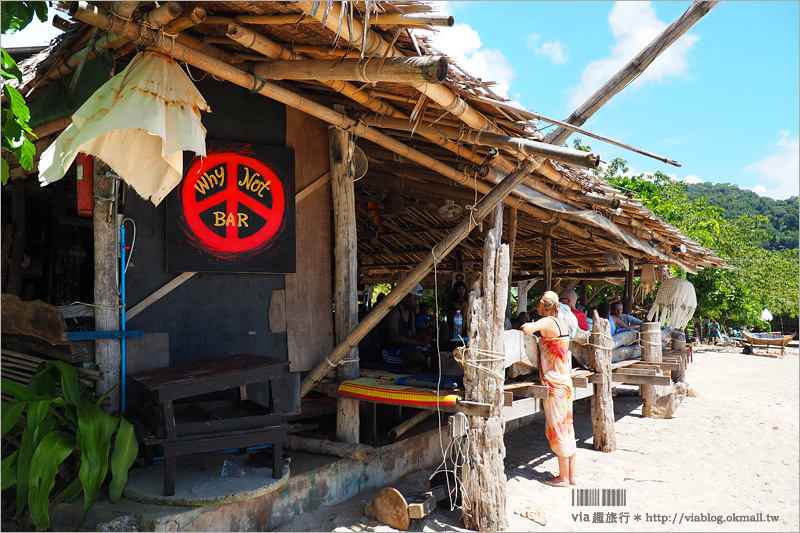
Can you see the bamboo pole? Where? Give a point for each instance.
(189, 18)
(632, 69)
(547, 257)
(402, 19)
(512, 241)
(522, 146)
(428, 69)
(321, 50)
(531, 115)
(604, 436)
(162, 15)
(627, 302)
(410, 423)
(345, 274)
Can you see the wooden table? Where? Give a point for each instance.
(204, 426)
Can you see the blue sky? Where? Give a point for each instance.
(722, 101)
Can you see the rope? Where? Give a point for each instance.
(490, 356)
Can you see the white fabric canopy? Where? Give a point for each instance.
(139, 123)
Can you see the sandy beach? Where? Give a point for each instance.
(729, 452)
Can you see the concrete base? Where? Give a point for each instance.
(315, 481)
(263, 510)
(200, 481)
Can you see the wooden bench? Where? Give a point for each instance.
(204, 426)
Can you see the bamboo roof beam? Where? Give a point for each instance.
(427, 69)
(165, 14)
(374, 44)
(633, 68)
(523, 146)
(321, 50)
(255, 41)
(400, 19)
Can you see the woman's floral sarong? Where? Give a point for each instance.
(554, 367)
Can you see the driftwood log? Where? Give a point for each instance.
(361, 452)
(484, 479)
(659, 401)
(679, 345)
(604, 436)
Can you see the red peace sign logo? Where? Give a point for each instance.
(233, 203)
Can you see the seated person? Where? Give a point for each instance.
(616, 318)
(402, 349)
(623, 319)
(523, 317)
(569, 297)
(604, 311)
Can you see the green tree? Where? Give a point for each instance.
(15, 16)
(756, 278)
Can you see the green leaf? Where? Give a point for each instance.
(9, 470)
(126, 448)
(25, 153)
(51, 452)
(19, 392)
(69, 382)
(69, 493)
(109, 391)
(11, 414)
(34, 430)
(16, 15)
(10, 68)
(16, 102)
(94, 453)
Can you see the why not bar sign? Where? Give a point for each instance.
(234, 211)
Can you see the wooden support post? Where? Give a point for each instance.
(522, 295)
(18, 224)
(627, 302)
(547, 261)
(484, 502)
(679, 345)
(651, 353)
(604, 436)
(345, 277)
(106, 298)
(512, 241)
(583, 292)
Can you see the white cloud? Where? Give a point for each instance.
(552, 49)
(634, 25)
(692, 178)
(778, 172)
(463, 45)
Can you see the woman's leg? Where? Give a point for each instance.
(562, 478)
(572, 478)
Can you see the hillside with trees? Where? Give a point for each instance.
(760, 278)
(782, 215)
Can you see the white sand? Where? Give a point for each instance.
(733, 449)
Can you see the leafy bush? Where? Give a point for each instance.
(51, 428)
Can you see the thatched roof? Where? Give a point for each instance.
(415, 193)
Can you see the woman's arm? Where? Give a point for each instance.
(546, 325)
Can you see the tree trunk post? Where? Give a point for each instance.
(547, 260)
(484, 479)
(522, 296)
(18, 223)
(604, 436)
(512, 242)
(627, 304)
(679, 345)
(106, 297)
(584, 292)
(345, 278)
(651, 353)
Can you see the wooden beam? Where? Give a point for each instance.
(547, 257)
(158, 294)
(345, 273)
(627, 302)
(319, 182)
(638, 379)
(512, 241)
(106, 300)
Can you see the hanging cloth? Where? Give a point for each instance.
(139, 123)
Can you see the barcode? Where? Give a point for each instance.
(599, 497)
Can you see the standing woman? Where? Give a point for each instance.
(555, 368)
